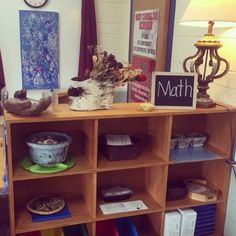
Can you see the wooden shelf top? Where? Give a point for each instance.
(153, 206)
(78, 210)
(187, 202)
(118, 110)
(196, 155)
(144, 160)
(82, 166)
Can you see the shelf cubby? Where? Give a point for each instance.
(83, 135)
(75, 190)
(154, 133)
(149, 188)
(215, 126)
(206, 170)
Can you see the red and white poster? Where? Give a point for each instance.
(141, 91)
(144, 53)
(145, 33)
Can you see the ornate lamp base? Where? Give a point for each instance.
(205, 103)
(207, 64)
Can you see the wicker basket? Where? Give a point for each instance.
(125, 152)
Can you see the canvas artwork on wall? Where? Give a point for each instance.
(39, 39)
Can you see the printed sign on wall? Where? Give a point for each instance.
(145, 33)
(39, 49)
(174, 90)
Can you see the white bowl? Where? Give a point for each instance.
(48, 148)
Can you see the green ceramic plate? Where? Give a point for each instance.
(27, 164)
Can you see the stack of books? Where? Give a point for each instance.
(205, 224)
(180, 222)
(195, 221)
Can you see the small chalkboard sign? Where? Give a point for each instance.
(174, 90)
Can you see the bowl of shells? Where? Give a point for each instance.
(48, 148)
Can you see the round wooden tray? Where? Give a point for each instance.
(201, 190)
(45, 204)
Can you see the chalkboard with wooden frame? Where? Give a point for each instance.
(174, 90)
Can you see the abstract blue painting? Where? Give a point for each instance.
(39, 39)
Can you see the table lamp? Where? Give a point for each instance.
(206, 62)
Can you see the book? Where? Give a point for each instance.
(172, 223)
(188, 222)
(64, 213)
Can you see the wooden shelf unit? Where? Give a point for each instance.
(147, 175)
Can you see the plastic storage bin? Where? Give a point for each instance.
(105, 228)
(125, 227)
(75, 230)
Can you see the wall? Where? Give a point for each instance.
(113, 22)
(113, 17)
(223, 90)
(69, 33)
(113, 36)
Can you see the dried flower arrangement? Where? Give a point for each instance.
(107, 68)
(95, 91)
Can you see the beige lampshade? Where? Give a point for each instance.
(200, 12)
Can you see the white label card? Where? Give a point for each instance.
(118, 139)
(113, 208)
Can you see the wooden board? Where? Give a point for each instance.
(1, 154)
(119, 110)
(1, 165)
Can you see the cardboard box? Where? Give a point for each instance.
(188, 222)
(172, 223)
